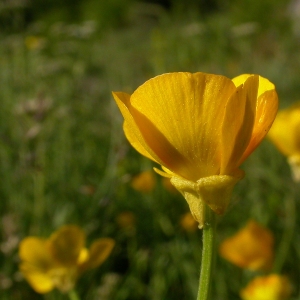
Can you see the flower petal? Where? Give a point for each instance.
(185, 109)
(66, 244)
(238, 124)
(266, 110)
(36, 261)
(34, 251)
(131, 130)
(41, 282)
(99, 251)
(264, 84)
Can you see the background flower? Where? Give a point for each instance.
(285, 134)
(144, 181)
(250, 248)
(271, 287)
(58, 261)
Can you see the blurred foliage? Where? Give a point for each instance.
(64, 158)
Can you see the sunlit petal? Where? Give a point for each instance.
(238, 124)
(264, 84)
(266, 110)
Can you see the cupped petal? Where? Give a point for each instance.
(66, 244)
(266, 110)
(238, 124)
(285, 131)
(187, 110)
(98, 253)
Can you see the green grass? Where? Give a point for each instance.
(70, 163)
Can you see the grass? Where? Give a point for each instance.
(64, 159)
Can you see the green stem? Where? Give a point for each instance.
(209, 233)
(73, 295)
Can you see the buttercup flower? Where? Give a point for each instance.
(285, 134)
(272, 287)
(57, 262)
(200, 128)
(250, 248)
(144, 182)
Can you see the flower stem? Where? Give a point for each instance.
(73, 295)
(209, 232)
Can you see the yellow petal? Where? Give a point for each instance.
(99, 251)
(285, 132)
(264, 84)
(131, 130)
(180, 119)
(238, 124)
(34, 251)
(66, 244)
(265, 112)
(40, 281)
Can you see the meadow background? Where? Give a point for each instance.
(64, 158)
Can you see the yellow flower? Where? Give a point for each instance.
(57, 262)
(250, 248)
(200, 128)
(144, 182)
(272, 287)
(285, 134)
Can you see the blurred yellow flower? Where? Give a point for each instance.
(272, 287)
(200, 128)
(188, 223)
(250, 248)
(144, 182)
(34, 42)
(285, 134)
(57, 262)
(126, 219)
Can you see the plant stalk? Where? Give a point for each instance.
(209, 233)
